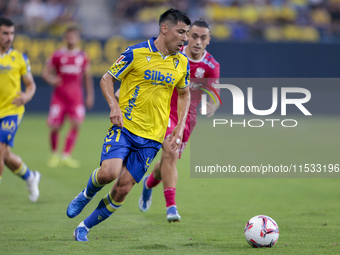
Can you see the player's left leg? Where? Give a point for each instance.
(55, 121)
(77, 115)
(19, 168)
(152, 180)
(149, 182)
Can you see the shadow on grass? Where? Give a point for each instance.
(152, 247)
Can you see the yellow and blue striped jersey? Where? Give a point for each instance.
(13, 65)
(148, 79)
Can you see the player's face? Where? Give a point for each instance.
(6, 37)
(72, 38)
(198, 39)
(176, 36)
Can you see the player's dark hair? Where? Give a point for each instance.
(72, 28)
(201, 23)
(174, 16)
(6, 22)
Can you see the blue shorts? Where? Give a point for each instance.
(8, 127)
(137, 152)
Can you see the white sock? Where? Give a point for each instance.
(84, 193)
(81, 224)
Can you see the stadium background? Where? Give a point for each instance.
(255, 38)
(250, 38)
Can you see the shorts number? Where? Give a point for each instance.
(111, 133)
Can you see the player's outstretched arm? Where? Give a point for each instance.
(25, 96)
(183, 104)
(106, 85)
(89, 89)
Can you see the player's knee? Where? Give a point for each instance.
(106, 175)
(171, 156)
(13, 161)
(123, 189)
(55, 128)
(4, 151)
(75, 125)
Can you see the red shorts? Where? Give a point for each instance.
(58, 111)
(173, 120)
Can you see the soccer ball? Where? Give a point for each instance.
(261, 231)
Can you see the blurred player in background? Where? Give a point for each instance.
(149, 72)
(65, 71)
(14, 65)
(205, 71)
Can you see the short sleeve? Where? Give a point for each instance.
(214, 75)
(26, 66)
(53, 61)
(123, 65)
(184, 82)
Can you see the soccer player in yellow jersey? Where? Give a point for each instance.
(14, 66)
(149, 72)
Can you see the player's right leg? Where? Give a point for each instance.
(113, 153)
(55, 120)
(108, 205)
(76, 113)
(8, 127)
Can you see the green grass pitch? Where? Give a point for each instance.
(214, 211)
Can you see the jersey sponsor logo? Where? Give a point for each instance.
(70, 69)
(79, 60)
(8, 126)
(63, 60)
(199, 72)
(131, 103)
(157, 78)
(5, 69)
(207, 62)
